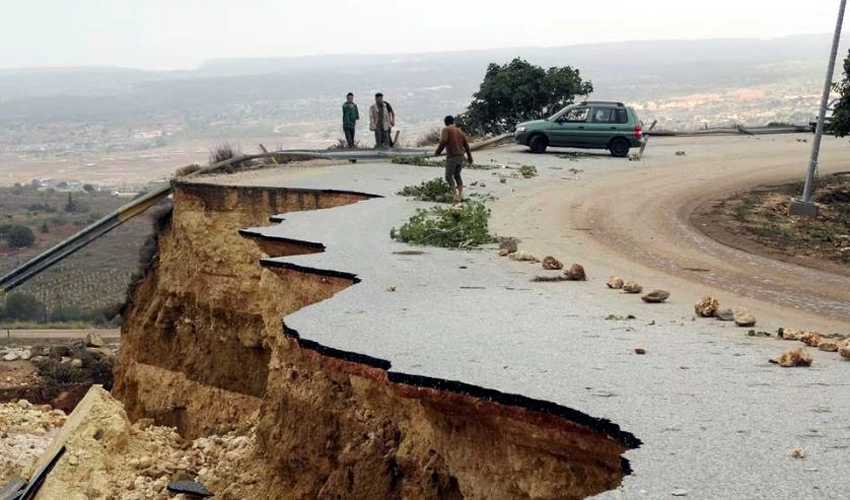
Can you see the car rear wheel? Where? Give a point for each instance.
(538, 143)
(619, 147)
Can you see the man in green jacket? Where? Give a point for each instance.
(350, 115)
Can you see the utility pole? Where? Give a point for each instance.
(804, 205)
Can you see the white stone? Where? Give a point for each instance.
(94, 340)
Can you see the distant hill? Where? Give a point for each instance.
(291, 97)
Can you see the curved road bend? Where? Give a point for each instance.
(632, 219)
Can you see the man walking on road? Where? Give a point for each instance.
(350, 115)
(453, 140)
(381, 121)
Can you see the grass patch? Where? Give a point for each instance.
(436, 190)
(764, 215)
(528, 171)
(431, 138)
(573, 156)
(96, 369)
(461, 226)
(426, 161)
(343, 144)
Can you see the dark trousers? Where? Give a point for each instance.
(454, 164)
(349, 136)
(382, 139)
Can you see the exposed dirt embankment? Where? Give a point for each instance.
(204, 349)
(195, 349)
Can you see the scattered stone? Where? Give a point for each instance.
(789, 334)
(640, 350)
(503, 180)
(656, 296)
(504, 252)
(73, 460)
(189, 488)
(25, 354)
(794, 357)
(523, 256)
(634, 156)
(743, 317)
(549, 279)
(632, 287)
(473, 183)
(77, 363)
(101, 351)
(829, 346)
(11, 356)
(758, 333)
(615, 282)
(798, 453)
(707, 307)
(77, 345)
(844, 350)
(810, 338)
(575, 273)
(680, 153)
(482, 184)
(391, 288)
(509, 244)
(552, 263)
(725, 315)
(679, 493)
(93, 339)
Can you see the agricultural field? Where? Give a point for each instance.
(94, 278)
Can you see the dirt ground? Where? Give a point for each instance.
(635, 219)
(758, 222)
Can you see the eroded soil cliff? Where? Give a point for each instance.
(204, 349)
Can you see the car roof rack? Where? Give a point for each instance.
(609, 103)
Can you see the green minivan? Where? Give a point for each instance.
(589, 124)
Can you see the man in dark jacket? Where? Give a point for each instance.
(350, 115)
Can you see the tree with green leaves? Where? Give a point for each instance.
(23, 307)
(20, 237)
(71, 204)
(840, 125)
(74, 206)
(518, 92)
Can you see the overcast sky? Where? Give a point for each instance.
(172, 34)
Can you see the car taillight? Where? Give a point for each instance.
(638, 131)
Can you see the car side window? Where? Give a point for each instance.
(609, 115)
(576, 115)
(602, 115)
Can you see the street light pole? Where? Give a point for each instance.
(805, 206)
